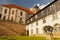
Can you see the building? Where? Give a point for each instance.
(49, 15)
(36, 8)
(15, 13)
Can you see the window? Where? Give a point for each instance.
(31, 31)
(13, 12)
(44, 21)
(21, 13)
(53, 7)
(20, 19)
(55, 16)
(57, 27)
(37, 31)
(5, 11)
(42, 13)
(37, 23)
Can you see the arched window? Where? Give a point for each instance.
(57, 27)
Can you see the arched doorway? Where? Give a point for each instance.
(27, 33)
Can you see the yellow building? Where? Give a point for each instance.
(49, 15)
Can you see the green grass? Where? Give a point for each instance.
(57, 38)
(22, 38)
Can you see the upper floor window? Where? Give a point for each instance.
(42, 13)
(44, 20)
(5, 11)
(13, 12)
(21, 13)
(53, 7)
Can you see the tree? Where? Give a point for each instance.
(48, 30)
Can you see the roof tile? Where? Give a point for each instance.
(19, 7)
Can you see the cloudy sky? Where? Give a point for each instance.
(25, 3)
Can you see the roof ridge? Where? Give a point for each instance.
(19, 7)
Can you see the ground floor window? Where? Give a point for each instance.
(37, 30)
(57, 27)
(31, 31)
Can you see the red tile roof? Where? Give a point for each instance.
(19, 7)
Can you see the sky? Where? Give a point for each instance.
(25, 3)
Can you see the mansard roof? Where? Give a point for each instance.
(19, 7)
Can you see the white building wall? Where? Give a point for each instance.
(5, 14)
(19, 16)
(49, 21)
(58, 13)
(12, 15)
(34, 28)
(40, 25)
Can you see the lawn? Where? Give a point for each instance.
(22, 38)
(57, 38)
